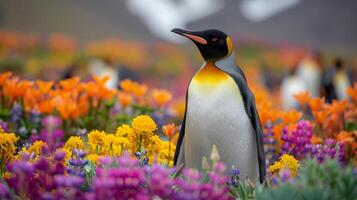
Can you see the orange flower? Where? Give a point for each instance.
(268, 115)
(344, 136)
(320, 116)
(179, 107)
(125, 99)
(4, 77)
(316, 103)
(15, 88)
(126, 85)
(100, 81)
(69, 84)
(277, 129)
(316, 140)
(352, 92)
(139, 90)
(263, 116)
(66, 107)
(302, 97)
(99, 89)
(338, 106)
(43, 86)
(45, 107)
(169, 130)
(161, 97)
(291, 116)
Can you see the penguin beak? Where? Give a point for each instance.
(194, 36)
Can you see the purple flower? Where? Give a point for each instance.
(4, 126)
(60, 155)
(35, 117)
(22, 131)
(269, 142)
(233, 177)
(53, 137)
(81, 132)
(297, 140)
(4, 191)
(285, 174)
(42, 164)
(79, 153)
(16, 113)
(21, 167)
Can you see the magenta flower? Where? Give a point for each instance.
(51, 122)
(4, 192)
(295, 143)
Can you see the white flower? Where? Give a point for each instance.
(214, 154)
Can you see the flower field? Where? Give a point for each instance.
(77, 139)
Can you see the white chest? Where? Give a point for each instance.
(216, 115)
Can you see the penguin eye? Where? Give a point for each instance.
(214, 39)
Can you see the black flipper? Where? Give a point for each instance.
(182, 133)
(238, 76)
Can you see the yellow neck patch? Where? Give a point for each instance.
(229, 45)
(210, 74)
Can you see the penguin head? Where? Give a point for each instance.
(213, 44)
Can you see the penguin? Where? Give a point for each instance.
(291, 85)
(335, 82)
(220, 110)
(310, 71)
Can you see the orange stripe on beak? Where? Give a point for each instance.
(196, 38)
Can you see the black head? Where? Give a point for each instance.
(213, 44)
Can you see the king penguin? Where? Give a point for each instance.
(220, 110)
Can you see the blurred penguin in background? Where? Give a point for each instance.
(310, 71)
(291, 84)
(335, 81)
(114, 70)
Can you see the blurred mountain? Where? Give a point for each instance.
(320, 24)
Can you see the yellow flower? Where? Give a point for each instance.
(153, 146)
(166, 153)
(7, 149)
(124, 131)
(93, 157)
(36, 148)
(286, 161)
(7, 175)
(275, 167)
(143, 123)
(114, 146)
(74, 142)
(144, 128)
(96, 140)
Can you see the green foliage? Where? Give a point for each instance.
(245, 190)
(89, 171)
(283, 192)
(350, 126)
(316, 181)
